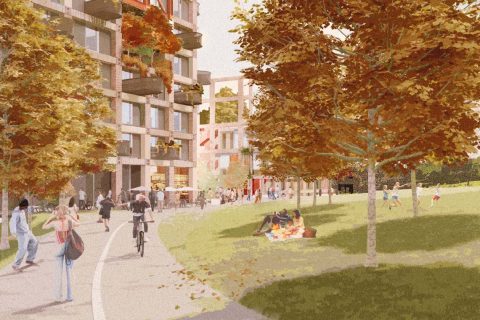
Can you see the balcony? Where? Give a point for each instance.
(104, 9)
(171, 154)
(188, 99)
(142, 86)
(191, 40)
(204, 77)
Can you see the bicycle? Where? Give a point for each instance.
(140, 245)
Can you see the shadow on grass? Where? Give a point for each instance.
(390, 292)
(424, 233)
(313, 216)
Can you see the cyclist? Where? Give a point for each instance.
(138, 207)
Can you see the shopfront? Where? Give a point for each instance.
(159, 179)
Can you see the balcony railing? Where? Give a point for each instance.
(104, 9)
(204, 77)
(142, 86)
(187, 98)
(191, 40)
(171, 154)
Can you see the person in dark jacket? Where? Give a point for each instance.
(107, 206)
(139, 207)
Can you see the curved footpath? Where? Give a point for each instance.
(121, 284)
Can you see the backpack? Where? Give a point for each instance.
(75, 246)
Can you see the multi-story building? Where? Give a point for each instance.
(223, 138)
(145, 115)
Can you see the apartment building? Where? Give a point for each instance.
(145, 115)
(223, 137)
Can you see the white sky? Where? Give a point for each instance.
(218, 52)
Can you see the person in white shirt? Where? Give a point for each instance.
(419, 193)
(81, 199)
(27, 243)
(100, 198)
(436, 196)
(160, 200)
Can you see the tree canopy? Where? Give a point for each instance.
(51, 125)
(383, 84)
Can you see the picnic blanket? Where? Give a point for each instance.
(283, 234)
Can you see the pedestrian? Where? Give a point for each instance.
(419, 193)
(385, 196)
(436, 196)
(27, 243)
(109, 194)
(82, 195)
(100, 198)
(395, 196)
(107, 205)
(290, 193)
(201, 199)
(73, 209)
(160, 200)
(62, 223)
(152, 196)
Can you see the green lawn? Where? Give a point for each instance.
(220, 249)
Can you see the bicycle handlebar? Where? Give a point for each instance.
(153, 221)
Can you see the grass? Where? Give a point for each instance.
(423, 233)
(219, 247)
(6, 256)
(389, 292)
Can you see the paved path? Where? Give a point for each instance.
(123, 285)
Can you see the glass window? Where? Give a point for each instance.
(184, 150)
(92, 39)
(126, 75)
(181, 9)
(180, 121)
(224, 140)
(224, 161)
(157, 116)
(105, 43)
(181, 66)
(181, 177)
(235, 139)
(127, 113)
(106, 72)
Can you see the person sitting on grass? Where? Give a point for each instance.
(271, 220)
(298, 220)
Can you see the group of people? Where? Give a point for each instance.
(395, 197)
(63, 220)
(282, 223)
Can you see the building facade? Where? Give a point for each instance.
(143, 118)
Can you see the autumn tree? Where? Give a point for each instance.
(146, 39)
(51, 125)
(235, 175)
(381, 84)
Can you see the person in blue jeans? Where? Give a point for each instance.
(27, 243)
(62, 223)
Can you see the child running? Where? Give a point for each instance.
(436, 196)
(395, 196)
(385, 196)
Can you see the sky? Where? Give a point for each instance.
(218, 52)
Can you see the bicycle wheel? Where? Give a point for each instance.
(142, 243)
(138, 241)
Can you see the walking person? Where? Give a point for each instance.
(436, 196)
(82, 195)
(160, 200)
(419, 193)
(107, 205)
(27, 243)
(100, 198)
(62, 223)
(152, 196)
(73, 209)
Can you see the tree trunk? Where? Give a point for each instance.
(330, 193)
(371, 261)
(413, 181)
(315, 193)
(4, 244)
(298, 192)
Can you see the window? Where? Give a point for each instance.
(180, 177)
(106, 72)
(180, 121)
(131, 143)
(155, 152)
(157, 116)
(224, 161)
(92, 39)
(235, 139)
(181, 66)
(224, 140)
(132, 114)
(181, 9)
(184, 152)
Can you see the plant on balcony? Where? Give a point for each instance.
(145, 40)
(191, 91)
